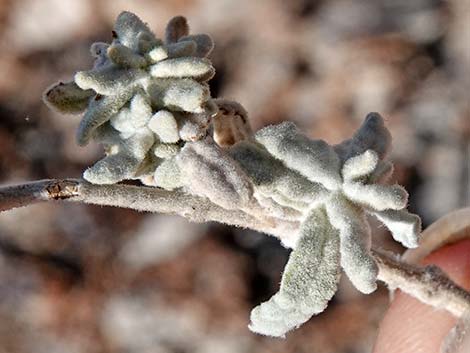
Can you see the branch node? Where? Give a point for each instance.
(62, 189)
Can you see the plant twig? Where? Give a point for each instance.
(42, 190)
(140, 198)
(428, 284)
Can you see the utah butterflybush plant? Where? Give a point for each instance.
(148, 103)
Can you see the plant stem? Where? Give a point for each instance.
(428, 284)
(140, 198)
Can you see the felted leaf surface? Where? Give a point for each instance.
(309, 281)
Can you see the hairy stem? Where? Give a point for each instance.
(428, 284)
(43, 190)
(140, 198)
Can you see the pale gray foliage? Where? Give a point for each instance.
(275, 162)
(164, 124)
(125, 156)
(309, 281)
(354, 232)
(138, 83)
(67, 97)
(209, 171)
(352, 190)
(373, 135)
(168, 175)
(314, 159)
(153, 112)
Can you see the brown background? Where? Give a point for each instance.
(85, 279)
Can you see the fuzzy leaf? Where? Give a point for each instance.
(354, 232)
(109, 80)
(190, 130)
(112, 169)
(360, 166)
(67, 97)
(179, 95)
(197, 68)
(382, 173)
(146, 42)
(269, 174)
(204, 44)
(211, 173)
(124, 159)
(126, 57)
(309, 281)
(376, 196)
(129, 120)
(163, 123)
(372, 135)
(99, 51)
(192, 126)
(314, 159)
(168, 175)
(405, 227)
(166, 150)
(128, 27)
(157, 54)
(176, 28)
(181, 49)
(278, 210)
(100, 110)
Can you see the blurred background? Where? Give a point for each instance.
(84, 279)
